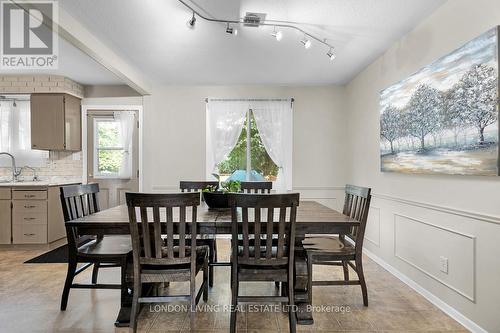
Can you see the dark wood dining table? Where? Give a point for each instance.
(312, 218)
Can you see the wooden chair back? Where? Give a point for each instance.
(196, 186)
(79, 200)
(152, 215)
(256, 187)
(356, 206)
(267, 239)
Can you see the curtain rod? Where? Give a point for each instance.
(250, 99)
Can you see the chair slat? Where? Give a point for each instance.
(257, 238)
(146, 235)
(281, 233)
(157, 231)
(170, 233)
(269, 234)
(182, 231)
(246, 243)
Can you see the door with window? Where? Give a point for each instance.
(113, 154)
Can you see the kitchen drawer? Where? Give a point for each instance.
(29, 234)
(29, 195)
(29, 206)
(29, 218)
(5, 193)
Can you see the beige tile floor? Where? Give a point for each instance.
(30, 295)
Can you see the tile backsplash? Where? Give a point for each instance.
(59, 165)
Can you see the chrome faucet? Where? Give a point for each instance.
(35, 175)
(15, 172)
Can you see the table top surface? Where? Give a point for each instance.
(307, 212)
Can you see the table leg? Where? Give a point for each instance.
(304, 316)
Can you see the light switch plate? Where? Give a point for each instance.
(443, 261)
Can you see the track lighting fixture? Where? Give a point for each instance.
(231, 30)
(277, 34)
(256, 20)
(191, 22)
(306, 42)
(331, 54)
(14, 104)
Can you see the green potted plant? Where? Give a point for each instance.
(216, 196)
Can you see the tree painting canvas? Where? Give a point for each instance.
(444, 118)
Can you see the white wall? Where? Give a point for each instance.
(174, 135)
(453, 216)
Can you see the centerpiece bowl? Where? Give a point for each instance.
(216, 200)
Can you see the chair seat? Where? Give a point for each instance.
(173, 272)
(201, 250)
(328, 245)
(108, 246)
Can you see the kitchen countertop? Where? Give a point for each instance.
(41, 183)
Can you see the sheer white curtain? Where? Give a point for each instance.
(126, 121)
(15, 135)
(225, 121)
(274, 122)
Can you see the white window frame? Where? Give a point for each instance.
(97, 174)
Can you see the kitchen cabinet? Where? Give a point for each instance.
(5, 217)
(55, 122)
(31, 215)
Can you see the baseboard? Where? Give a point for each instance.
(450, 311)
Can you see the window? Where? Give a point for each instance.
(15, 132)
(237, 165)
(108, 153)
(250, 139)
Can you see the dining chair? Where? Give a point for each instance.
(175, 259)
(263, 249)
(100, 251)
(256, 187)
(198, 186)
(344, 249)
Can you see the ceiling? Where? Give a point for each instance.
(152, 36)
(75, 65)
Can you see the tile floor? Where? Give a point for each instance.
(30, 296)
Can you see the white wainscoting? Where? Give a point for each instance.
(409, 237)
(372, 232)
(420, 244)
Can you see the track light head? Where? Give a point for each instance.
(331, 54)
(231, 30)
(277, 34)
(306, 42)
(192, 21)
(14, 104)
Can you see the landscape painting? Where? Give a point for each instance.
(444, 118)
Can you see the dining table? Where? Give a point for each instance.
(312, 218)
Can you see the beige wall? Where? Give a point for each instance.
(174, 135)
(453, 216)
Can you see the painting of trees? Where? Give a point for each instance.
(424, 111)
(477, 98)
(444, 118)
(390, 125)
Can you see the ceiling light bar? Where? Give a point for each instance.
(256, 21)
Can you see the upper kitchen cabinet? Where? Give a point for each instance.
(56, 122)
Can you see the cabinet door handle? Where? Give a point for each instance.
(29, 195)
(29, 235)
(29, 206)
(30, 218)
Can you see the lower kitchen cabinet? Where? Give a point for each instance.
(31, 215)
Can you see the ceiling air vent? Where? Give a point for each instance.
(253, 19)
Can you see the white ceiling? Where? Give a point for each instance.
(75, 65)
(152, 35)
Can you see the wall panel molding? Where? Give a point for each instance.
(443, 209)
(469, 296)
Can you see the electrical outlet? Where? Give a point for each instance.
(443, 264)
